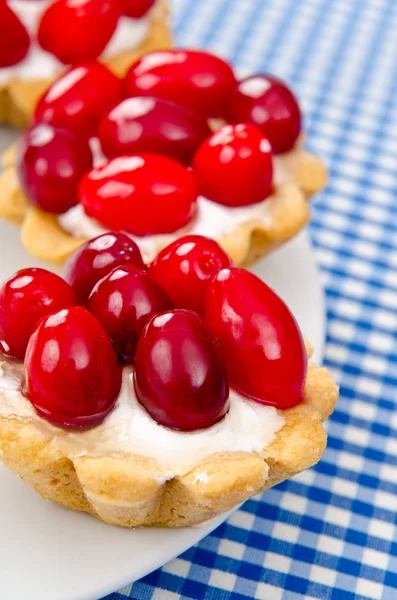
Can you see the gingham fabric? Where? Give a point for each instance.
(329, 533)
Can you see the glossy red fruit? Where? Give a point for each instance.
(201, 81)
(234, 166)
(80, 97)
(77, 31)
(148, 124)
(72, 374)
(179, 373)
(185, 267)
(25, 298)
(268, 103)
(144, 194)
(96, 258)
(50, 164)
(261, 342)
(135, 8)
(14, 39)
(123, 301)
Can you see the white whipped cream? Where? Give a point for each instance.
(39, 64)
(248, 427)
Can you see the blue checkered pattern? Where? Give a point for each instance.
(329, 533)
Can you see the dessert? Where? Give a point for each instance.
(36, 46)
(149, 409)
(180, 154)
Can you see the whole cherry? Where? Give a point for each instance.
(269, 104)
(50, 164)
(199, 80)
(185, 267)
(14, 39)
(260, 339)
(123, 301)
(25, 298)
(234, 166)
(144, 194)
(98, 257)
(72, 374)
(136, 9)
(180, 377)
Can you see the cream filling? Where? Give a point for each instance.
(39, 64)
(248, 427)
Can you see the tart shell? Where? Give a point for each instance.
(19, 97)
(134, 491)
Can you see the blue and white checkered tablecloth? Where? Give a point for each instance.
(329, 533)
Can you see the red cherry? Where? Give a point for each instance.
(185, 267)
(14, 39)
(261, 342)
(96, 258)
(179, 373)
(234, 166)
(79, 98)
(25, 298)
(76, 31)
(147, 124)
(269, 104)
(199, 80)
(136, 8)
(50, 163)
(72, 375)
(123, 301)
(144, 194)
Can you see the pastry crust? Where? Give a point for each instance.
(19, 97)
(287, 212)
(134, 491)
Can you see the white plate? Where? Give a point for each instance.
(50, 553)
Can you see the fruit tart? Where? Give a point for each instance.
(179, 146)
(36, 44)
(151, 403)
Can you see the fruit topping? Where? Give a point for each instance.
(144, 194)
(199, 80)
(96, 258)
(269, 104)
(136, 8)
(72, 374)
(261, 342)
(180, 378)
(76, 31)
(50, 164)
(123, 301)
(14, 39)
(148, 124)
(186, 266)
(79, 98)
(234, 166)
(25, 298)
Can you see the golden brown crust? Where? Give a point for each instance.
(134, 491)
(19, 97)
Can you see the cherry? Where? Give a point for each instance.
(234, 166)
(269, 104)
(180, 377)
(72, 375)
(185, 267)
(25, 298)
(78, 31)
(50, 163)
(123, 301)
(144, 194)
(261, 342)
(96, 258)
(136, 8)
(148, 124)
(79, 97)
(199, 80)
(14, 39)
